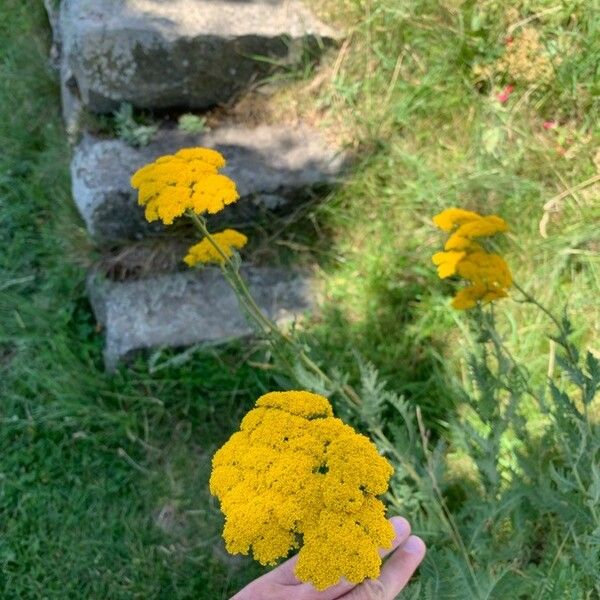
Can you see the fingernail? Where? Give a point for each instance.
(413, 545)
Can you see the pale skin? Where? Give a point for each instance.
(404, 557)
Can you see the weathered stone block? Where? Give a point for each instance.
(180, 53)
(72, 108)
(190, 308)
(272, 166)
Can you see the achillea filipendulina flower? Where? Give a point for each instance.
(484, 268)
(296, 475)
(446, 262)
(482, 227)
(205, 252)
(469, 296)
(488, 273)
(186, 180)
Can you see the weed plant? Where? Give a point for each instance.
(130, 130)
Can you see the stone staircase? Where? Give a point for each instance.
(168, 56)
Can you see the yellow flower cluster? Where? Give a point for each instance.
(296, 475)
(186, 180)
(205, 251)
(526, 60)
(488, 273)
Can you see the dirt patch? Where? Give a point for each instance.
(146, 258)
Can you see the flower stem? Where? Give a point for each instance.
(231, 273)
(239, 286)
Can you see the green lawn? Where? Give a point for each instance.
(103, 478)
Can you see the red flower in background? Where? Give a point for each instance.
(504, 95)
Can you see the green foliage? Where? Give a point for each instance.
(130, 130)
(406, 88)
(190, 123)
(520, 516)
(103, 480)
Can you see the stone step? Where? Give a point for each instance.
(192, 307)
(273, 166)
(179, 53)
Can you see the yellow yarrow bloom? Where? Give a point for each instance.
(469, 296)
(488, 273)
(449, 218)
(446, 262)
(294, 474)
(186, 180)
(485, 268)
(205, 252)
(484, 226)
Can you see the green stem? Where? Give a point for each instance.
(529, 298)
(440, 503)
(239, 286)
(232, 275)
(566, 345)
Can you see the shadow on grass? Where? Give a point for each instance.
(389, 335)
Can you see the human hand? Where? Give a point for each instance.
(407, 552)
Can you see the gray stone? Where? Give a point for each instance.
(52, 10)
(193, 307)
(180, 53)
(72, 107)
(271, 165)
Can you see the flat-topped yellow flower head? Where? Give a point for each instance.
(205, 251)
(463, 256)
(463, 237)
(294, 475)
(485, 268)
(186, 180)
(468, 297)
(451, 217)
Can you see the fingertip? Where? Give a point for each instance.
(401, 528)
(402, 564)
(414, 546)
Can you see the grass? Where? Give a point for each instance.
(103, 479)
